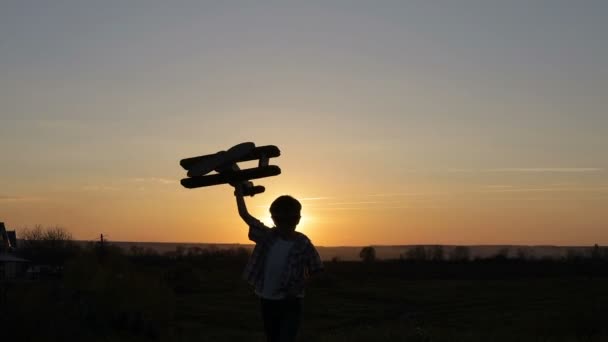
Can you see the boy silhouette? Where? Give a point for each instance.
(280, 263)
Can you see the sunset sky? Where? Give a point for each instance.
(399, 122)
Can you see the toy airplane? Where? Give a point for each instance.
(227, 171)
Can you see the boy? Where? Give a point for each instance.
(279, 265)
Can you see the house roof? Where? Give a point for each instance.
(12, 238)
(5, 243)
(10, 258)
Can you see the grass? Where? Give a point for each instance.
(348, 304)
(187, 301)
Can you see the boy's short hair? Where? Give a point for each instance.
(285, 206)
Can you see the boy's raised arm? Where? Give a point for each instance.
(242, 207)
(257, 230)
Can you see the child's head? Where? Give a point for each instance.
(285, 212)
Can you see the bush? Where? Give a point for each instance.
(417, 253)
(50, 246)
(368, 254)
(460, 254)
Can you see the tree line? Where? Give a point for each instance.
(438, 253)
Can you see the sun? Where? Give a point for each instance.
(304, 224)
(267, 220)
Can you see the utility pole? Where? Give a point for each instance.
(101, 249)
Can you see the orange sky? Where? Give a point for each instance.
(340, 207)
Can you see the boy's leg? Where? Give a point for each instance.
(271, 314)
(290, 320)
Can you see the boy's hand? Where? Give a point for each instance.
(240, 202)
(238, 189)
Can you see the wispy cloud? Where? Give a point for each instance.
(377, 201)
(394, 194)
(8, 198)
(376, 208)
(99, 188)
(343, 203)
(359, 208)
(157, 180)
(351, 203)
(460, 170)
(547, 189)
(528, 190)
(315, 198)
(404, 194)
(533, 170)
(549, 169)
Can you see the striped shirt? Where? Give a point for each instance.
(302, 261)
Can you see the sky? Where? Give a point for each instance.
(399, 122)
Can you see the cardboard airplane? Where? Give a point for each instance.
(222, 167)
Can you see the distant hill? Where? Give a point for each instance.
(382, 252)
(481, 251)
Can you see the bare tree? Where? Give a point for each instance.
(417, 253)
(596, 252)
(136, 250)
(460, 253)
(51, 245)
(437, 253)
(523, 253)
(51, 234)
(368, 254)
(573, 254)
(502, 254)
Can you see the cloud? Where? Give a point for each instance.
(549, 169)
(99, 188)
(376, 208)
(349, 203)
(7, 198)
(549, 189)
(463, 170)
(533, 170)
(527, 190)
(314, 198)
(405, 194)
(157, 180)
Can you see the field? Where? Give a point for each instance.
(357, 302)
(204, 299)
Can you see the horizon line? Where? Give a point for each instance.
(353, 246)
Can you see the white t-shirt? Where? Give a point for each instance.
(275, 263)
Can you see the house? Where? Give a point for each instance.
(11, 266)
(7, 239)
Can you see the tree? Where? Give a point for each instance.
(523, 254)
(436, 253)
(136, 250)
(460, 253)
(368, 254)
(573, 255)
(596, 252)
(502, 254)
(417, 253)
(194, 251)
(52, 246)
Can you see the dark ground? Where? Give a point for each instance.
(119, 298)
